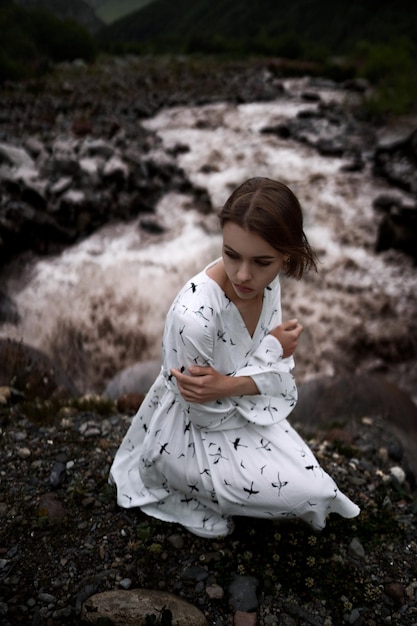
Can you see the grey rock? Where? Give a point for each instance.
(215, 592)
(15, 157)
(243, 595)
(41, 375)
(35, 146)
(61, 185)
(176, 540)
(354, 397)
(74, 197)
(137, 378)
(8, 310)
(194, 572)
(356, 549)
(125, 583)
(116, 168)
(4, 609)
(57, 475)
(48, 598)
(97, 147)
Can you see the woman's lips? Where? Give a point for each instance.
(243, 289)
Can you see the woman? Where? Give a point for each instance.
(211, 439)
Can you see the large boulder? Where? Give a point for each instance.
(133, 607)
(396, 160)
(32, 372)
(328, 402)
(136, 379)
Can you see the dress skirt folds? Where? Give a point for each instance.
(201, 464)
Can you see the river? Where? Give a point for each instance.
(100, 305)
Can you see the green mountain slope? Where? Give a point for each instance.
(111, 10)
(335, 25)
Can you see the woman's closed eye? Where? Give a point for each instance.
(262, 263)
(231, 255)
(236, 257)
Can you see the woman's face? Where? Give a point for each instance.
(251, 263)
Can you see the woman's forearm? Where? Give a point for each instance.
(242, 386)
(205, 384)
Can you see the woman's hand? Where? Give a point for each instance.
(288, 334)
(205, 384)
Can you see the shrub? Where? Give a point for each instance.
(59, 40)
(390, 67)
(32, 38)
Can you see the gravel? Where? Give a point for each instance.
(63, 538)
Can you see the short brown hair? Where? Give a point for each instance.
(271, 210)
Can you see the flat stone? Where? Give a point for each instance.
(132, 607)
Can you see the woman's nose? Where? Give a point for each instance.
(244, 272)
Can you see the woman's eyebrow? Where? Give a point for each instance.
(261, 256)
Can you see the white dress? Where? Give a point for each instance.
(200, 464)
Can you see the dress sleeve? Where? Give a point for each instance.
(189, 340)
(276, 385)
(266, 365)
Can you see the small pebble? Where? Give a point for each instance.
(215, 592)
(356, 549)
(23, 453)
(125, 583)
(398, 474)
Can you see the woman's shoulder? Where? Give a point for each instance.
(197, 287)
(201, 298)
(200, 286)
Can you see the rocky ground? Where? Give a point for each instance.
(63, 538)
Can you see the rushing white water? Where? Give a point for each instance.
(100, 305)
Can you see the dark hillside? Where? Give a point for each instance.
(77, 10)
(337, 26)
(32, 39)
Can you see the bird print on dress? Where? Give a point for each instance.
(279, 484)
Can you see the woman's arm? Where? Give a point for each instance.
(205, 384)
(287, 334)
(262, 391)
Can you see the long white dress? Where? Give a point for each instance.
(200, 464)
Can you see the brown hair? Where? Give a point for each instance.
(271, 210)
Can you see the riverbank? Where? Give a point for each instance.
(62, 537)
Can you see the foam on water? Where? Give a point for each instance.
(226, 146)
(101, 304)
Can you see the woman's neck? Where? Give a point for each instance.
(249, 310)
